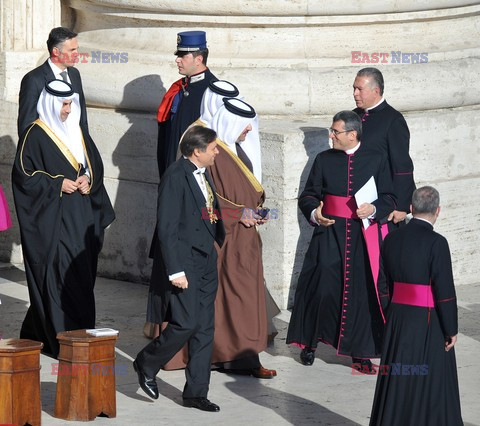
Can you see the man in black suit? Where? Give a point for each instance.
(385, 130)
(186, 269)
(62, 46)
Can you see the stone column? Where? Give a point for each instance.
(295, 61)
(24, 25)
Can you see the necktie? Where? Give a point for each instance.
(244, 157)
(64, 76)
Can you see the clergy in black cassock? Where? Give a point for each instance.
(385, 130)
(336, 300)
(417, 382)
(63, 209)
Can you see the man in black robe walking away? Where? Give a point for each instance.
(337, 300)
(63, 210)
(417, 382)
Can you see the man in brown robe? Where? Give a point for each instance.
(240, 306)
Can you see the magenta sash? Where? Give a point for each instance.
(346, 207)
(413, 294)
(5, 220)
(333, 205)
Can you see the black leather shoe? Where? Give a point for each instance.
(201, 403)
(364, 366)
(307, 356)
(149, 386)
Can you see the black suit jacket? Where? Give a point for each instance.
(184, 236)
(32, 85)
(385, 130)
(182, 223)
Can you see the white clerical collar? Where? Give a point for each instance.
(421, 218)
(381, 100)
(352, 150)
(56, 69)
(196, 78)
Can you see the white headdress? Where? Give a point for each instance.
(230, 121)
(49, 107)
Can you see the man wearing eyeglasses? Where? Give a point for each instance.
(385, 130)
(337, 300)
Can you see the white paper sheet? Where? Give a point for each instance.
(366, 194)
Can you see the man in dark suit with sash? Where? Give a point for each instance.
(62, 47)
(185, 269)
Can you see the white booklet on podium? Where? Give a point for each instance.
(366, 194)
(98, 332)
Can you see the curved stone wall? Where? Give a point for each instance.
(295, 61)
(299, 62)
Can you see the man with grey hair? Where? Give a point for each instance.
(385, 130)
(336, 300)
(418, 367)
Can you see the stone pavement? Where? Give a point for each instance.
(326, 393)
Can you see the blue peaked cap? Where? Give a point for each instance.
(191, 41)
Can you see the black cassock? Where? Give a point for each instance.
(336, 300)
(184, 111)
(417, 382)
(384, 129)
(61, 234)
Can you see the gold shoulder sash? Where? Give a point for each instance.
(250, 176)
(60, 145)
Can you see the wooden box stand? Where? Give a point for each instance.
(20, 382)
(86, 376)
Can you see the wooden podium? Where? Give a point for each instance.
(86, 376)
(20, 382)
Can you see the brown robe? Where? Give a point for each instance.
(240, 307)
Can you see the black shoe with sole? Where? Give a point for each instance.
(201, 403)
(148, 385)
(307, 356)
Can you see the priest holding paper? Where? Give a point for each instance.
(337, 300)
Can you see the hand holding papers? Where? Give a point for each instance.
(366, 194)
